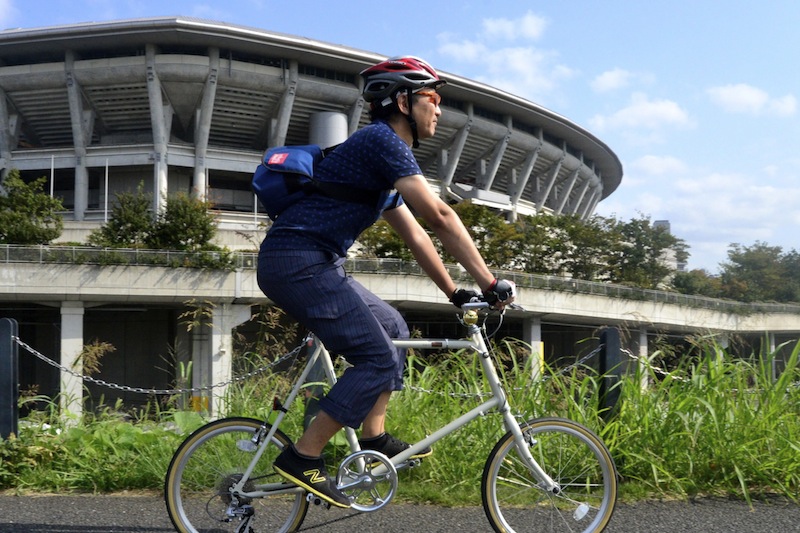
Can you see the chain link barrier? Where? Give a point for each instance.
(293, 354)
(158, 392)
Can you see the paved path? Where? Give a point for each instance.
(146, 514)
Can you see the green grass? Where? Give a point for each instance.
(714, 425)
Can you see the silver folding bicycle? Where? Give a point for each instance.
(546, 474)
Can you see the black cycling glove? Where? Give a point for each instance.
(501, 290)
(463, 296)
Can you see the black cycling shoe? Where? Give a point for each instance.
(311, 475)
(391, 446)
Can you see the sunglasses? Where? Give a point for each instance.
(434, 97)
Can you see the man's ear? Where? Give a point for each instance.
(402, 102)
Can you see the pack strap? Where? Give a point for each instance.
(337, 191)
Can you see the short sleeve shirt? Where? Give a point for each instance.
(373, 158)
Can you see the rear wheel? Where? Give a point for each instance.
(574, 457)
(210, 462)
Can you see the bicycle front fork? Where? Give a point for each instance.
(524, 442)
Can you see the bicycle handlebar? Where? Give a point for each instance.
(485, 305)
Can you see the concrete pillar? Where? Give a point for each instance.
(532, 334)
(771, 350)
(574, 207)
(71, 348)
(643, 355)
(549, 182)
(183, 366)
(212, 356)
(567, 190)
(225, 317)
(723, 340)
(516, 188)
(327, 129)
(160, 132)
(201, 366)
(81, 136)
(203, 126)
(487, 177)
(9, 135)
(451, 157)
(280, 123)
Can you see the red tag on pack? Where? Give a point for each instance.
(278, 158)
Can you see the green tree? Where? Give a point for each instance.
(791, 269)
(380, 241)
(592, 240)
(581, 245)
(499, 242)
(130, 223)
(597, 249)
(698, 282)
(27, 214)
(760, 273)
(185, 224)
(640, 252)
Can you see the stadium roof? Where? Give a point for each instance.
(492, 146)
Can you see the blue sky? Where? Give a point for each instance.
(698, 98)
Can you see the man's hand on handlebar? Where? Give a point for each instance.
(500, 293)
(464, 296)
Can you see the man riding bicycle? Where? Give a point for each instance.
(300, 265)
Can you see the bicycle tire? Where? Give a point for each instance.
(574, 457)
(208, 461)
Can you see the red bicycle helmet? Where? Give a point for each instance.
(384, 80)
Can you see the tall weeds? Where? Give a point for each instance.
(714, 425)
(717, 425)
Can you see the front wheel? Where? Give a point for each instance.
(210, 462)
(574, 457)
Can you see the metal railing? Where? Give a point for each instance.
(44, 254)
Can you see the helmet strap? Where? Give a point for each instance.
(411, 121)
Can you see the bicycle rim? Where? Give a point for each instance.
(573, 457)
(211, 460)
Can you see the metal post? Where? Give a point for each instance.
(9, 378)
(610, 368)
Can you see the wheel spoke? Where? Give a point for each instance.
(573, 457)
(209, 463)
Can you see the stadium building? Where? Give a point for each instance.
(187, 105)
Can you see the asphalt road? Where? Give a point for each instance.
(146, 513)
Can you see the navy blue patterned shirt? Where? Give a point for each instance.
(373, 158)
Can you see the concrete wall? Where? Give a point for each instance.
(137, 308)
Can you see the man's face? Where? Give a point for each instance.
(426, 112)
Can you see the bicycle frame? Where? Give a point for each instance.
(475, 341)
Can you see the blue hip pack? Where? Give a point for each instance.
(286, 174)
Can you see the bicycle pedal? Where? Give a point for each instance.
(411, 463)
(316, 500)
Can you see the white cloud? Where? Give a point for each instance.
(461, 50)
(643, 113)
(708, 210)
(530, 27)
(717, 209)
(526, 71)
(611, 80)
(658, 165)
(784, 106)
(746, 99)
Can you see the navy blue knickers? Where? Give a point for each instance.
(313, 288)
